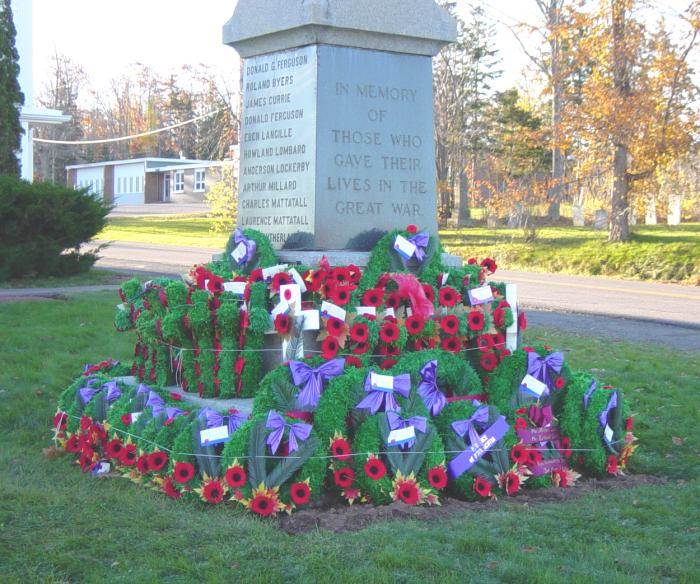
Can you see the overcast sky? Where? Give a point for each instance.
(105, 37)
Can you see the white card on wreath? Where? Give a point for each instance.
(533, 386)
(239, 253)
(238, 288)
(401, 436)
(135, 416)
(291, 294)
(298, 280)
(328, 310)
(444, 277)
(269, 273)
(101, 468)
(389, 312)
(367, 311)
(405, 248)
(312, 320)
(121, 307)
(480, 295)
(281, 308)
(381, 382)
(212, 436)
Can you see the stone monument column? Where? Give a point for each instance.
(337, 123)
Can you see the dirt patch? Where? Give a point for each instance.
(331, 515)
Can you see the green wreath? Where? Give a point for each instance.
(264, 257)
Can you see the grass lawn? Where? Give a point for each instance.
(58, 525)
(656, 252)
(90, 278)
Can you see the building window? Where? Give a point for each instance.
(119, 185)
(199, 182)
(138, 184)
(131, 184)
(179, 181)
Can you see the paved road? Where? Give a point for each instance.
(639, 300)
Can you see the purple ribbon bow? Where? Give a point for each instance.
(421, 241)
(214, 419)
(298, 432)
(541, 417)
(589, 392)
(250, 246)
(478, 445)
(603, 416)
(313, 379)
(540, 367)
(428, 389)
(156, 402)
(396, 422)
(112, 395)
(376, 397)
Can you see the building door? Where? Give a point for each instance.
(166, 188)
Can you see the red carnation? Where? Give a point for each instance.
(213, 492)
(490, 265)
(450, 324)
(340, 449)
(475, 320)
(512, 483)
(482, 487)
(142, 464)
(412, 229)
(522, 321)
(128, 455)
(408, 493)
(352, 361)
(359, 332)
(183, 472)
(415, 324)
(335, 326)
(373, 297)
(157, 460)
(389, 332)
(429, 292)
(451, 344)
(300, 493)
(282, 323)
(448, 296)
(329, 347)
(235, 476)
(437, 477)
(375, 468)
(344, 477)
(263, 505)
(559, 382)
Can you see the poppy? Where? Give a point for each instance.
(183, 472)
(113, 448)
(341, 275)
(375, 468)
(352, 361)
(449, 324)
(482, 487)
(335, 326)
(340, 449)
(489, 264)
(157, 460)
(559, 382)
(629, 424)
(448, 296)
(73, 444)
(282, 324)
(499, 317)
(329, 347)
(388, 363)
(280, 279)
(475, 320)
(451, 344)
(169, 488)
(408, 493)
(534, 456)
(359, 332)
(263, 505)
(565, 446)
(412, 229)
(437, 477)
(415, 324)
(300, 493)
(429, 292)
(520, 423)
(373, 297)
(518, 454)
(522, 321)
(235, 476)
(344, 477)
(393, 300)
(60, 420)
(360, 348)
(612, 465)
(128, 455)
(484, 342)
(213, 492)
(488, 361)
(389, 332)
(142, 464)
(341, 295)
(512, 483)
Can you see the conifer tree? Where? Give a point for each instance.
(11, 98)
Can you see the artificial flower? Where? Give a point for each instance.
(352, 361)
(489, 264)
(142, 464)
(451, 344)
(522, 321)
(375, 468)
(300, 493)
(518, 453)
(212, 491)
(520, 423)
(235, 475)
(488, 361)
(113, 448)
(437, 477)
(157, 460)
(280, 279)
(335, 326)
(449, 324)
(373, 297)
(283, 324)
(415, 324)
(389, 332)
(183, 472)
(359, 332)
(484, 342)
(128, 455)
(344, 477)
(329, 347)
(482, 487)
(169, 488)
(611, 465)
(387, 363)
(429, 292)
(499, 317)
(341, 295)
(340, 448)
(448, 296)
(412, 229)
(475, 320)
